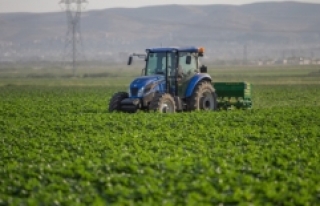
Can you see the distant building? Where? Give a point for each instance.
(285, 61)
(293, 60)
(304, 61)
(315, 62)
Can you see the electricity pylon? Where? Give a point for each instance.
(73, 49)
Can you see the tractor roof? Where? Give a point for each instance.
(171, 49)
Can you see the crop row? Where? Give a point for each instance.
(59, 146)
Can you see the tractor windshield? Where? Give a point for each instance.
(156, 63)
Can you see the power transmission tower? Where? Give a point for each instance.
(73, 49)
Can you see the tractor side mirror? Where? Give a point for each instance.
(130, 60)
(203, 69)
(188, 60)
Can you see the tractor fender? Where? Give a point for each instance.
(194, 81)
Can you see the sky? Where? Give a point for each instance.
(53, 6)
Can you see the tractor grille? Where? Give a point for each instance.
(134, 92)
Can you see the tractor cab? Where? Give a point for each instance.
(174, 65)
(166, 62)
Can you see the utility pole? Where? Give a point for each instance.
(73, 43)
(245, 55)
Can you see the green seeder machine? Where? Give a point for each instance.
(233, 95)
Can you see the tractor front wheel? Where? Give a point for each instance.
(203, 97)
(163, 103)
(115, 102)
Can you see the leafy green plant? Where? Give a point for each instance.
(60, 146)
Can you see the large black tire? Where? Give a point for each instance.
(114, 104)
(163, 103)
(203, 97)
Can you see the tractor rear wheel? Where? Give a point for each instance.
(203, 97)
(115, 102)
(163, 103)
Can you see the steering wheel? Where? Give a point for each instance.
(160, 71)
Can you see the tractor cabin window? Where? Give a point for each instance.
(188, 69)
(156, 63)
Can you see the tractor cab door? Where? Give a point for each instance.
(186, 70)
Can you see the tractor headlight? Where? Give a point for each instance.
(135, 92)
(140, 92)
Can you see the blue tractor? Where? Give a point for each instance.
(173, 80)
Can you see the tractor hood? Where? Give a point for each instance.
(138, 86)
(145, 80)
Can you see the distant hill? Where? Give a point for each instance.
(268, 29)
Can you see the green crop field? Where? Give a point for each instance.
(60, 146)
